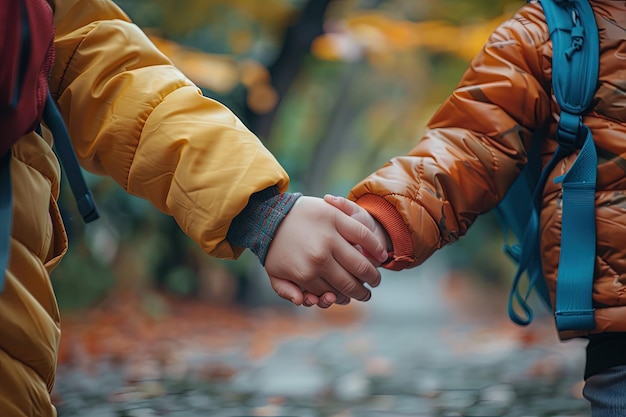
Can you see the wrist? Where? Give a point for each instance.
(255, 227)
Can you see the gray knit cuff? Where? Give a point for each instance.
(255, 226)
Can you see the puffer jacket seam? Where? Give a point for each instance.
(57, 93)
(27, 365)
(140, 133)
(420, 173)
(538, 43)
(33, 167)
(36, 171)
(60, 89)
(601, 116)
(605, 263)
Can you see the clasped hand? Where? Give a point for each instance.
(326, 251)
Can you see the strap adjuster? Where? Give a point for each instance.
(569, 133)
(578, 36)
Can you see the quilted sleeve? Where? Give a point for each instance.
(136, 118)
(473, 148)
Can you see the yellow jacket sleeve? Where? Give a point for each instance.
(134, 117)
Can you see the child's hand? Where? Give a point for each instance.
(313, 259)
(360, 214)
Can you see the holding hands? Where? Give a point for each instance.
(325, 251)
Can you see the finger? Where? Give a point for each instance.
(288, 290)
(341, 299)
(343, 204)
(338, 299)
(338, 272)
(310, 299)
(357, 234)
(345, 303)
(354, 261)
(327, 299)
(329, 294)
(357, 213)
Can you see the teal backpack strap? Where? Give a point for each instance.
(40, 44)
(82, 194)
(574, 77)
(576, 49)
(517, 214)
(575, 64)
(6, 215)
(63, 147)
(574, 309)
(575, 69)
(528, 254)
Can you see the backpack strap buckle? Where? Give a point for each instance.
(570, 133)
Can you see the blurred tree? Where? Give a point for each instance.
(288, 64)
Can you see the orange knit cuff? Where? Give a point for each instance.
(382, 210)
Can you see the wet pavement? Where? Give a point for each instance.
(413, 353)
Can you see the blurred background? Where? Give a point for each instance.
(333, 88)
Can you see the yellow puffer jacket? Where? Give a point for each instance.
(475, 145)
(133, 117)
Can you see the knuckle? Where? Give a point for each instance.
(351, 289)
(318, 258)
(365, 270)
(302, 276)
(363, 233)
(305, 280)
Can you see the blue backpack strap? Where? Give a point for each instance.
(518, 212)
(574, 76)
(66, 154)
(529, 255)
(575, 64)
(576, 49)
(515, 213)
(6, 215)
(63, 146)
(82, 194)
(574, 309)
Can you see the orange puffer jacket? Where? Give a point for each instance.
(475, 145)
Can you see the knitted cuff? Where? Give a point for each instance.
(255, 226)
(382, 210)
